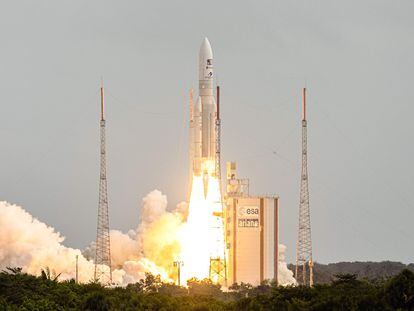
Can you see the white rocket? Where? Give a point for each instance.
(203, 117)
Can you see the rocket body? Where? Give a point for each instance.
(204, 239)
(204, 116)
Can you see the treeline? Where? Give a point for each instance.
(20, 291)
(324, 274)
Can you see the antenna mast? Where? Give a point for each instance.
(103, 270)
(304, 242)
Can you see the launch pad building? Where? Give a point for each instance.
(251, 233)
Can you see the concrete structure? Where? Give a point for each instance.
(251, 234)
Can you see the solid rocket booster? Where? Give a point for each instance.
(204, 114)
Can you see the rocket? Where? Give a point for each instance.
(203, 116)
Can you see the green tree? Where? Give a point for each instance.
(96, 301)
(152, 283)
(46, 274)
(203, 287)
(399, 291)
(172, 290)
(240, 291)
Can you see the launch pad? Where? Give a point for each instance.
(230, 246)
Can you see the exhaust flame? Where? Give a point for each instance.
(202, 235)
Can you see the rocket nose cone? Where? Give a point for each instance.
(205, 50)
(205, 61)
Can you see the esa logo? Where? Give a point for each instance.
(248, 211)
(252, 211)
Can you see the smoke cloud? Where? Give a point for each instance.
(285, 276)
(152, 247)
(28, 243)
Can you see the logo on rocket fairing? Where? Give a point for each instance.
(209, 66)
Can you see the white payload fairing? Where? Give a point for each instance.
(203, 117)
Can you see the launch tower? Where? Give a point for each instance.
(218, 269)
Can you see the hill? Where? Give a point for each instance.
(325, 273)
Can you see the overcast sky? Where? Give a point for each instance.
(355, 57)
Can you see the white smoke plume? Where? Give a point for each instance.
(31, 244)
(152, 247)
(28, 243)
(285, 276)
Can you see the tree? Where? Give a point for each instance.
(345, 279)
(203, 287)
(51, 276)
(399, 291)
(20, 291)
(96, 301)
(14, 271)
(172, 290)
(242, 290)
(152, 283)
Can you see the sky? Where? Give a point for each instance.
(356, 59)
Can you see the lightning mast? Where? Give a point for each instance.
(103, 270)
(304, 263)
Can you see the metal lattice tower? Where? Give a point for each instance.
(191, 147)
(218, 269)
(218, 143)
(304, 263)
(103, 271)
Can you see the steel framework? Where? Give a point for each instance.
(304, 263)
(103, 270)
(218, 269)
